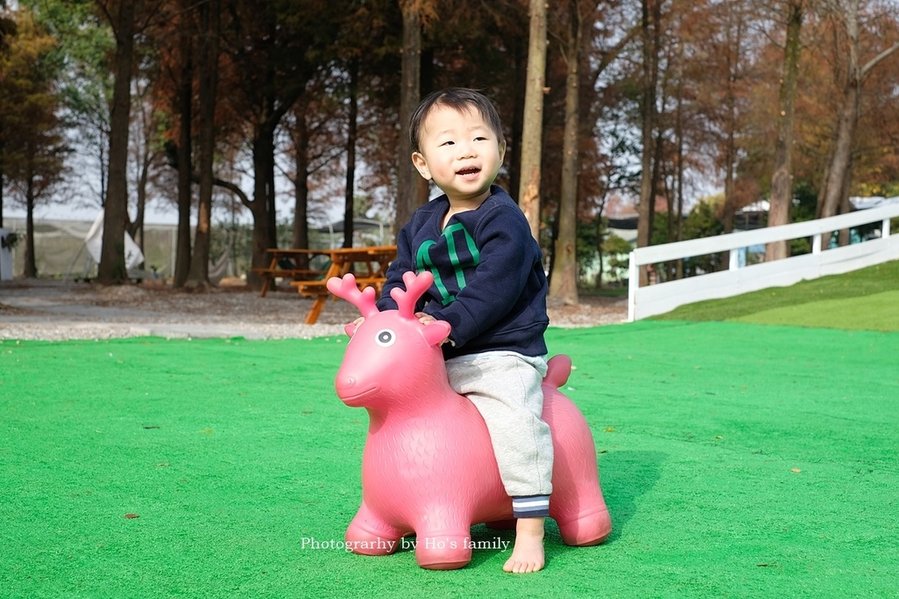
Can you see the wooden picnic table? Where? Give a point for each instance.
(287, 263)
(368, 264)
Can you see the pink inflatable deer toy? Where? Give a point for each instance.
(428, 465)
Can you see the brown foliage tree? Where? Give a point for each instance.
(858, 62)
(127, 19)
(32, 152)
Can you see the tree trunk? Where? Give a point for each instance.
(272, 108)
(838, 169)
(349, 208)
(112, 267)
(144, 157)
(137, 227)
(30, 270)
(532, 131)
(734, 54)
(517, 125)
(782, 180)
(658, 146)
(264, 231)
(563, 285)
(407, 195)
(679, 228)
(651, 15)
(209, 30)
(730, 164)
(300, 182)
(184, 110)
(267, 176)
(679, 174)
(1, 180)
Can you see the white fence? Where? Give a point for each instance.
(665, 296)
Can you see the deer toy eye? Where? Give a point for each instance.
(385, 338)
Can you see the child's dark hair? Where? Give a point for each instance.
(461, 99)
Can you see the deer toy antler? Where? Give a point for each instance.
(416, 286)
(345, 288)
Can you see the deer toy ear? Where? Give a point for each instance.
(436, 332)
(350, 329)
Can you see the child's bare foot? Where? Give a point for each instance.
(527, 554)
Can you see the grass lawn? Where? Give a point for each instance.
(737, 460)
(866, 299)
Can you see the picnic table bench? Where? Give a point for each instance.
(368, 264)
(287, 263)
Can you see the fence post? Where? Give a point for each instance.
(885, 229)
(733, 262)
(633, 281)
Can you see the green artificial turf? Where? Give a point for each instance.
(877, 312)
(866, 299)
(737, 461)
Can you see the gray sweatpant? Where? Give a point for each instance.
(505, 387)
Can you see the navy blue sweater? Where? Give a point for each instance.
(489, 283)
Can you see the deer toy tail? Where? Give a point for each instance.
(559, 367)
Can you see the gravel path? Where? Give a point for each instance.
(57, 310)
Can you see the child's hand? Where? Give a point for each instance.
(425, 319)
(351, 327)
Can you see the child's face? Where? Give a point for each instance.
(460, 152)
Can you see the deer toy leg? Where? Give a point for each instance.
(446, 546)
(585, 529)
(368, 534)
(577, 503)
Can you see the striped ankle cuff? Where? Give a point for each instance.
(532, 506)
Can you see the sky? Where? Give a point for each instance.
(155, 214)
